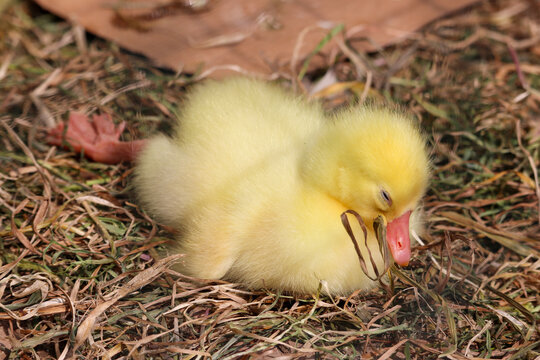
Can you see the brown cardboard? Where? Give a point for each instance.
(257, 36)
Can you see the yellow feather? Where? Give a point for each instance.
(255, 179)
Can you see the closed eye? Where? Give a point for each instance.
(386, 197)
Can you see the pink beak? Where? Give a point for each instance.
(397, 236)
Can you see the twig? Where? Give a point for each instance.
(531, 163)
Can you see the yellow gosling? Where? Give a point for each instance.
(255, 179)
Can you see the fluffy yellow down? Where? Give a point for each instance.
(255, 180)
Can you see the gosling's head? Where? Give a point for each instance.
(375, 162)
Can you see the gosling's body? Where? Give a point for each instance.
(255, 180)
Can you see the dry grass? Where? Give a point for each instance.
(79, 271)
